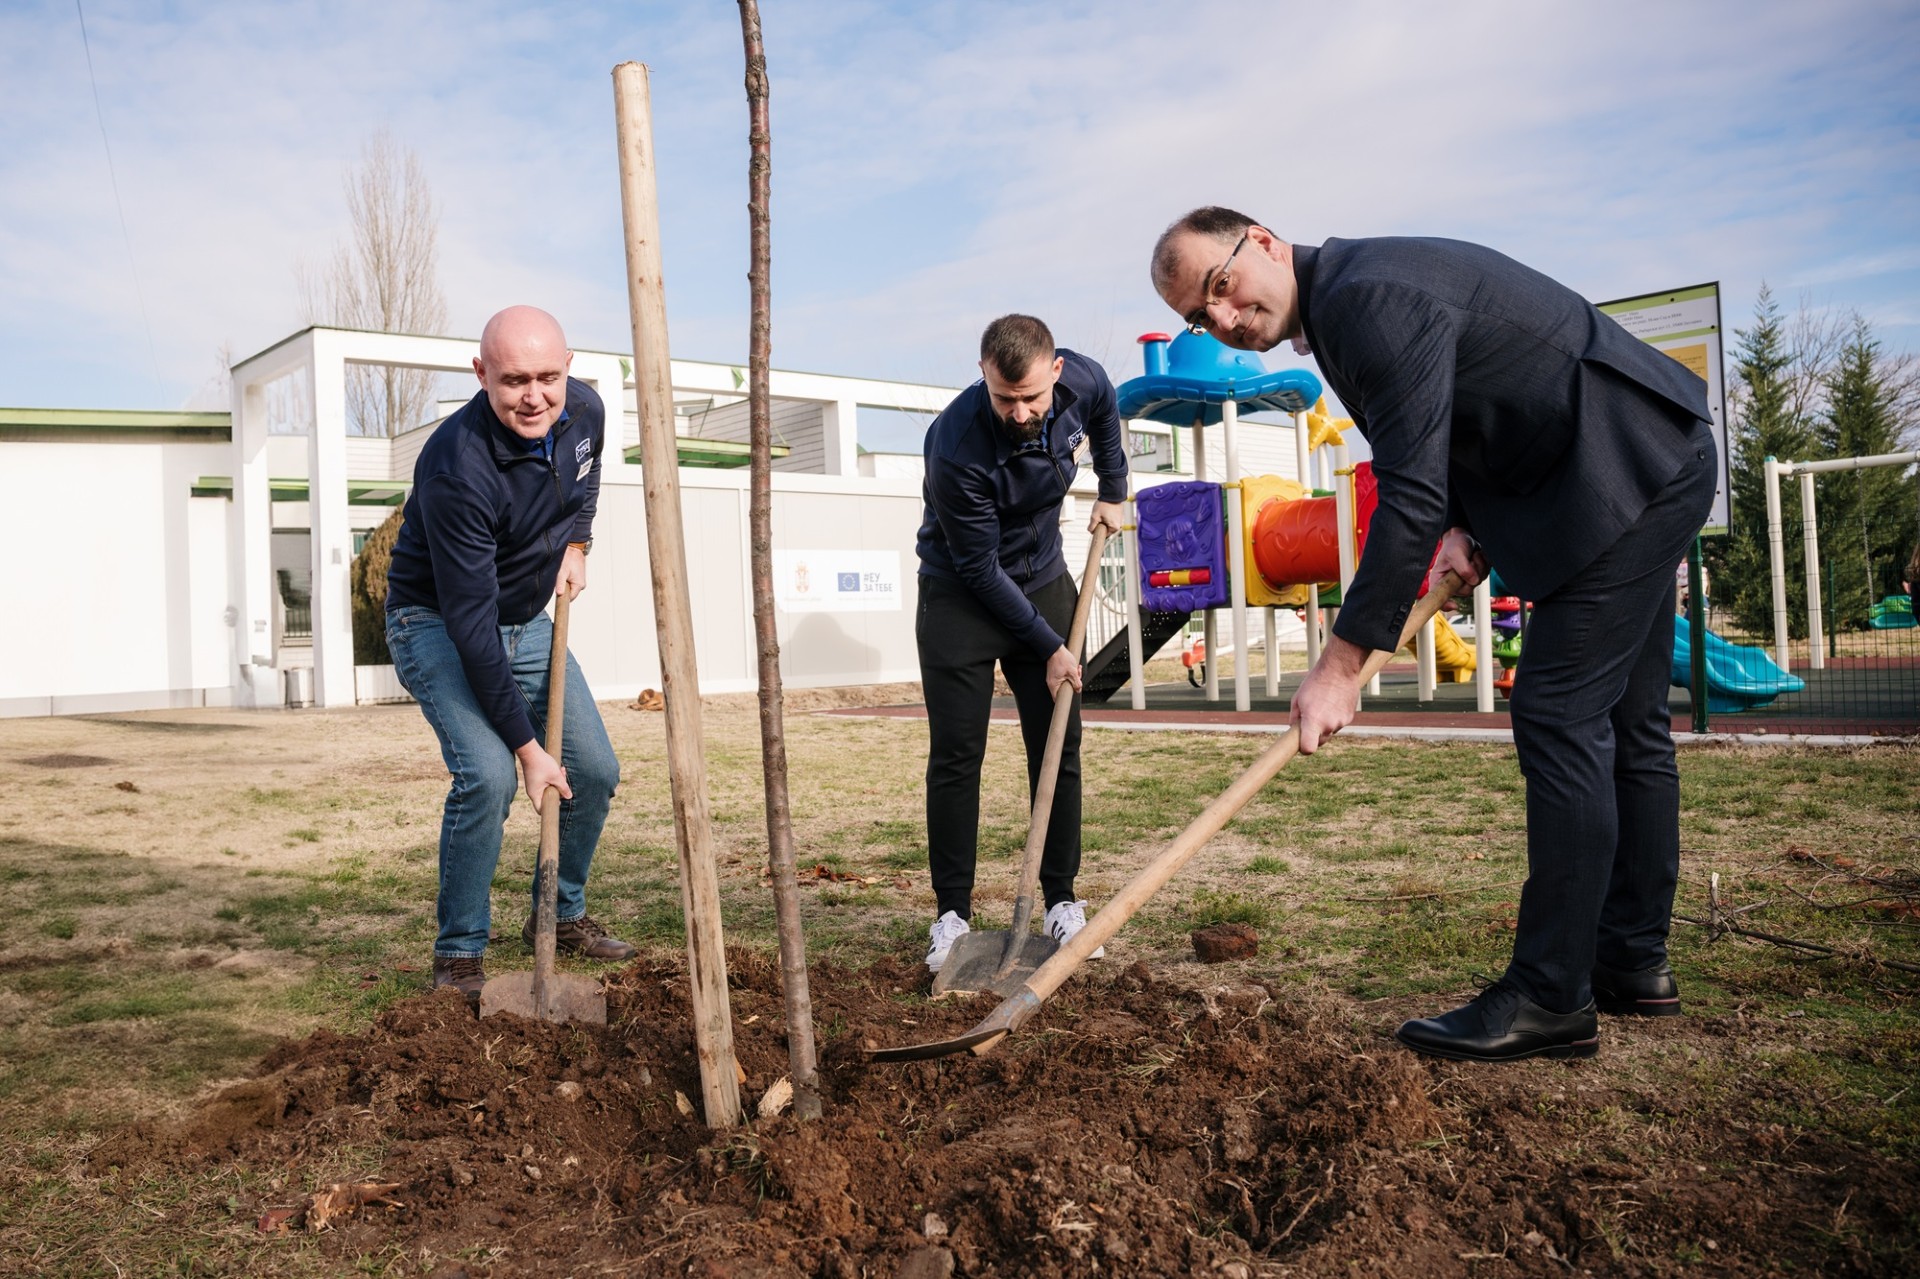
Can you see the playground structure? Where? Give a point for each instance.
(1886, 615)
(1894, 613)
(1243, 542)
(1508, 619)
(1739, 677)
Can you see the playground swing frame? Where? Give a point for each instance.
(1775, 471)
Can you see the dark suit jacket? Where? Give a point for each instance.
(1494, 399)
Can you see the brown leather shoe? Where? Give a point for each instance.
(583, 937)
(463, 973)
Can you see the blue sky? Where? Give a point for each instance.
(935, 164)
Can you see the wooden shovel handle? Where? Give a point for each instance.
(1100, 929)
(1042, 814)
(546, 871)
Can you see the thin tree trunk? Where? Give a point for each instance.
(773, 737)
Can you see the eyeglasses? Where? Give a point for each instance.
(1218, 287)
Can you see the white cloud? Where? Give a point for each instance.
(934, 165)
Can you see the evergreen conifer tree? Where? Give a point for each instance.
(1764, 425)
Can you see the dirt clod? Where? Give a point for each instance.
(1219, 943)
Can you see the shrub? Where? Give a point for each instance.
(367, 584)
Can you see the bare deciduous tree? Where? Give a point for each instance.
(385, 279)
(773, 732)
(1813, 338)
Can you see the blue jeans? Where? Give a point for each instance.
(485, 778)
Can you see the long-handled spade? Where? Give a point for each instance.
(543, 993)
(1002, 962)
(1016, 1009)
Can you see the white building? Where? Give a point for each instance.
(202, 559)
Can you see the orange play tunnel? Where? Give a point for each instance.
(1297, 541)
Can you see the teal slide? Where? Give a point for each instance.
(1739, 678)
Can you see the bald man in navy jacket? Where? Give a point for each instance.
(1511, 423)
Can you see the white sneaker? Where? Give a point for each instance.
(1065, 921)
(946, 930)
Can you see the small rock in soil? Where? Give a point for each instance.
(1219, 943)
(568, 1091)
(927, 1263)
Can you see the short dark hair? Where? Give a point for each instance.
(1212, 221)
(1013, 342)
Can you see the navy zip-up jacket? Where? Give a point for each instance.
(485, 529)
(993, 510)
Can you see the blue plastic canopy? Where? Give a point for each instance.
(1194, 375)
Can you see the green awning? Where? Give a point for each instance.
(711, 454)
(359, 492)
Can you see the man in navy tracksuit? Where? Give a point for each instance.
(499, 521)
(995, 587)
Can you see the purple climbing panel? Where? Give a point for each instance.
(1182, 526)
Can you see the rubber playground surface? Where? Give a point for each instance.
(1852, 697)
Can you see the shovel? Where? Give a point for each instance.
(1002, 961)
(544, 994)
(1018, 1008)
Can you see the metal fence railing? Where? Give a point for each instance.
(1864, 681)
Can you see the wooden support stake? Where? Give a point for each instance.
(672, 609)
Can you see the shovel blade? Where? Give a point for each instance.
(976, 957)
(569, 998)
(943, 1048)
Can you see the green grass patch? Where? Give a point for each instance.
(1208, 907)
(1375, 869)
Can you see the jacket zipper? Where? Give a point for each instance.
(559, 499)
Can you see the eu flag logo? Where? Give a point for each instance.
(849, 582)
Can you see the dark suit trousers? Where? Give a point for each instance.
(1593, 733)
(959, 644)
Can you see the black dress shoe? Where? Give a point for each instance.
(1651, 992)
(1502, 1024)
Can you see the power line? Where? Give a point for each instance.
(133, 269)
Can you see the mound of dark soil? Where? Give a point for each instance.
(1136, 1128)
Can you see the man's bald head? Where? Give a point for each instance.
(523, 366)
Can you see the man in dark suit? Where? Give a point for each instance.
(1511, 423)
